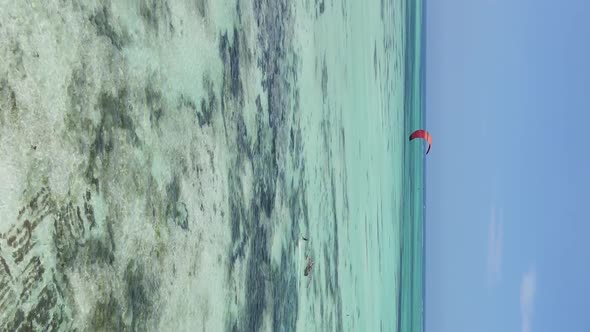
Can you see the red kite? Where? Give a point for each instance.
(421, 133)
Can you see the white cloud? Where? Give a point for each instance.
(495, 242)
(527, 296)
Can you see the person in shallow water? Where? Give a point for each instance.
(309, 265)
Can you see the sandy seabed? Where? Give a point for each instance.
(160, 161)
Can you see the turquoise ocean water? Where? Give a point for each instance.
(162, 161)
(411, 303)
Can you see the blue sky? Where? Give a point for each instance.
(508, 198)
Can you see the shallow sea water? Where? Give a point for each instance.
(160, 162)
